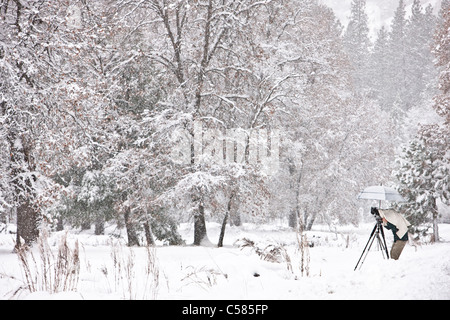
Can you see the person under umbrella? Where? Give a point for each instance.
(394, 221)
(389, 218)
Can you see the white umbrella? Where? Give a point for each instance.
(381, 193)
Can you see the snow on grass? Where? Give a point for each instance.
(111, 270)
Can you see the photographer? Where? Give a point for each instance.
(399, 243)
(395, 222)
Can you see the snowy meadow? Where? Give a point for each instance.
(256, 262)
(170, 149)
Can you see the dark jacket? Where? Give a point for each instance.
(394, 230)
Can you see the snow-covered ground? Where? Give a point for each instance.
(111, 270)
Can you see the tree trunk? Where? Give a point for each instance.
(99, 226)
(292, 219)
(133, 239)
(224, 222)
(435, 222)
(222, 231)
(310, 222)
(435, 229)
(60, 224)
(27, 224)
(22, 180)
(149, 235)
(86, 225)
(199, 226)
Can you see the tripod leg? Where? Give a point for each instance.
(381, 245)
(368, 249)
(370, 238)
(384, 242)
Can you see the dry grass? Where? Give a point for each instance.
(58, 270)
(129, 279)
(277, 253)
(50, 272)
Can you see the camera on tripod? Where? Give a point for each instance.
(374, 211)
(378, 234)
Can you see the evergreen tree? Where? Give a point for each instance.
(420, 70)
(401, 66)
(357, 43)
(397, 51)
(421, 170)
(442, 53)
(380, 68)
(425, 165)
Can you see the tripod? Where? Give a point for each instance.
(377, 233)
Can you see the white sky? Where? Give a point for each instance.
(380, 12)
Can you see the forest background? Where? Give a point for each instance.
(93, 91)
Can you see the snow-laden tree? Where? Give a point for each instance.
(442, 53)
(402, 72)
(47, 104)
(357, 44)
(235, 70)
(396, 87)
(380, 64)
(202, 56)
(96, 94)
(5, 192)
(333, 142)
(423, 175)
(421, 72)
(411, 42)
(424, 165)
